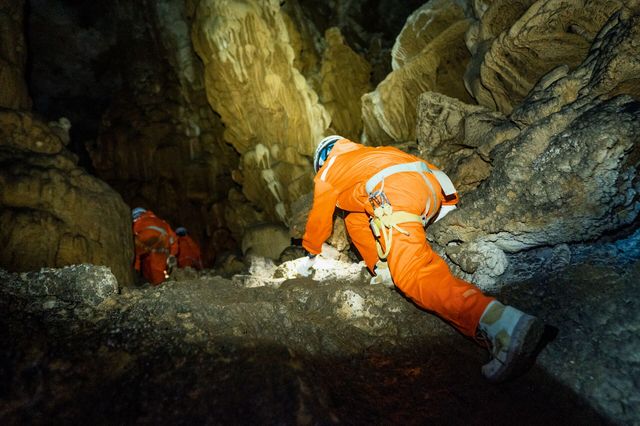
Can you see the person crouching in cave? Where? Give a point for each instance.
(390, 197)
(156, 246)
(189, 254)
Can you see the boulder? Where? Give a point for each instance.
(52, 212)
(88, 284)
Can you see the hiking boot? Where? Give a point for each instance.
(512, 337)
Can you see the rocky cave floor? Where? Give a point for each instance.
(211, 351)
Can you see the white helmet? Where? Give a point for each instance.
(323, 149)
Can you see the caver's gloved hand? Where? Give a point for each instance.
(305, 267)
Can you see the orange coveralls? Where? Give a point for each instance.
(415, 268)
(154, 242)
(188, 253)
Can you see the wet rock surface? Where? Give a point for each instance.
(210, 350)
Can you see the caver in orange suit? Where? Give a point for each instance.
(416, 270)
(188, 253)
(155, 241)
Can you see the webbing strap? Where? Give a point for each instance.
(418, 166)
(386, 223)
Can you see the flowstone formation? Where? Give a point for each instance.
(273, 113)
(511, 52)
(561, 168)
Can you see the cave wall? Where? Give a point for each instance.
(13, 56)
(215, 108)
(561, 168)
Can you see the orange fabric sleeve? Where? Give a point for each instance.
(320, 221)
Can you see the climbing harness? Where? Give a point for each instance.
(384, 219)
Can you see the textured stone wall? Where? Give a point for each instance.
(511, 56)
(275, 104)
(429, 55)
(13, 56)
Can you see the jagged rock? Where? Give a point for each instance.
(87, 284)
(446, 138)
(548, 34)
(13, 56)
(565, 164)
(610, 69)
(389, 112)
(344, 79)
(53, 212)
(571, 177)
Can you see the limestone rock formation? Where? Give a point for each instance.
(13, 56)
(54, 213)
(272, 115)
(509, 58)
(446, 128)
(274, 106)
(344, 78)
(87, 284)
(433, 56)
(570, 173)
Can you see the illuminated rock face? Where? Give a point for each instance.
(52, 212)
(13, 56)
(564, 164)
(429, 55)
(274, 115)
(512, 52)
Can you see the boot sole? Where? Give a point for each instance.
(524, 341)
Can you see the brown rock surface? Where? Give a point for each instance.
(344, 78)
(13, 56)
(52, 212)
(549, 33)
